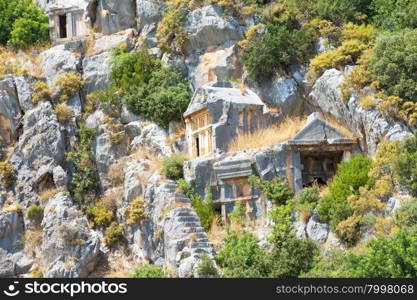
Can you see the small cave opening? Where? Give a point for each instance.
(46, 182)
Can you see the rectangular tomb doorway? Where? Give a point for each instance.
(319, 166)
(62, 26)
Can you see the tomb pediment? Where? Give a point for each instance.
(317, 131)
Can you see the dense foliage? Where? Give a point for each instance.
(158, 93)
(277, 189)
(148, 271)
(22, 23)
(172, 167)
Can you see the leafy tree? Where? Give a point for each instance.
(172, 167)
(351, 175)
(277, 190)
(242, 257)
(341, 11)
(206, 266)
(22, 23)
(148, 271)
(278, 47)
(406, 164)
(394, 63)
(394, 14)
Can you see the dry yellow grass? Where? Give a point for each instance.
(334, 123)
(155, 162)
(270, 136)
(116, 174)
(47, 194)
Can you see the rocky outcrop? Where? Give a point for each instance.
(209, 26)
(316, 230)
(70, 248)
(40, 149)
(148, 13)
(96, 71)
(153, 138)
(325, 97)
(10, 112)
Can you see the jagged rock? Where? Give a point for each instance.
(96, 70)
(300, 229)
(149, 12)
(11, 231)
(317, 231)
(128, 117)
(70, 248)
(114, 16)
(393, 204)
(281, 91)
(40, 149)
(56, 61)
(24, 92)
(218, 63)
(107, 42)
(95, 121)
(209, 26)
(9, 110)
(132, 186)
(153, 138)
(60, 177)
(75, 103)
(325, 96)
(187, 266)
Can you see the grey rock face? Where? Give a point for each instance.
(210, 26)
(325, 96)
(393, 204)
(9, 110)
(96, 70)
(24, 92)
(56, 61)
(148, 12)
(154, 138)
(40, 149)
(114, 16)
(317, 231)
(11, 231)
(70, 248)
(107, 42)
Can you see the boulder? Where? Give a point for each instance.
(114, 16)
(96, 71)
(149, 12)
(70, 248)
(56, 61)
(9, 110)
(325, 97)
(107, 42)
(317, 231)
(24, 92)
(208, 26)
(153, 138)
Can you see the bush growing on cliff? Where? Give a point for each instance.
(7, 174)
(35, 213)
(158, 93)
(22, 23)
(148, 271)
(351, 175)
(277, 190)
(172, 167)
(278, 47)
(406, 164)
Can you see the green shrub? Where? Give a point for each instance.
(341, 11)
(306, 201)
(101, 215)
(68, 84)
(172, 167)
(22, 23)
(63, 112)
(393, 63)
(171, 36)
(158, 93)
(114, 234)
(206, 266)
(406, 164)
(135, 213)
(237, 216)
(394, 14)
(397, 253)
(183, 186)
(330, 264)
(41, 91)
(35, 213)
(84, 184)
(148, 271)
(277, 190)
(242, 257)
(204, 209)
(278, 47)
(7, 174)
(406, 216)
(350, 176)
